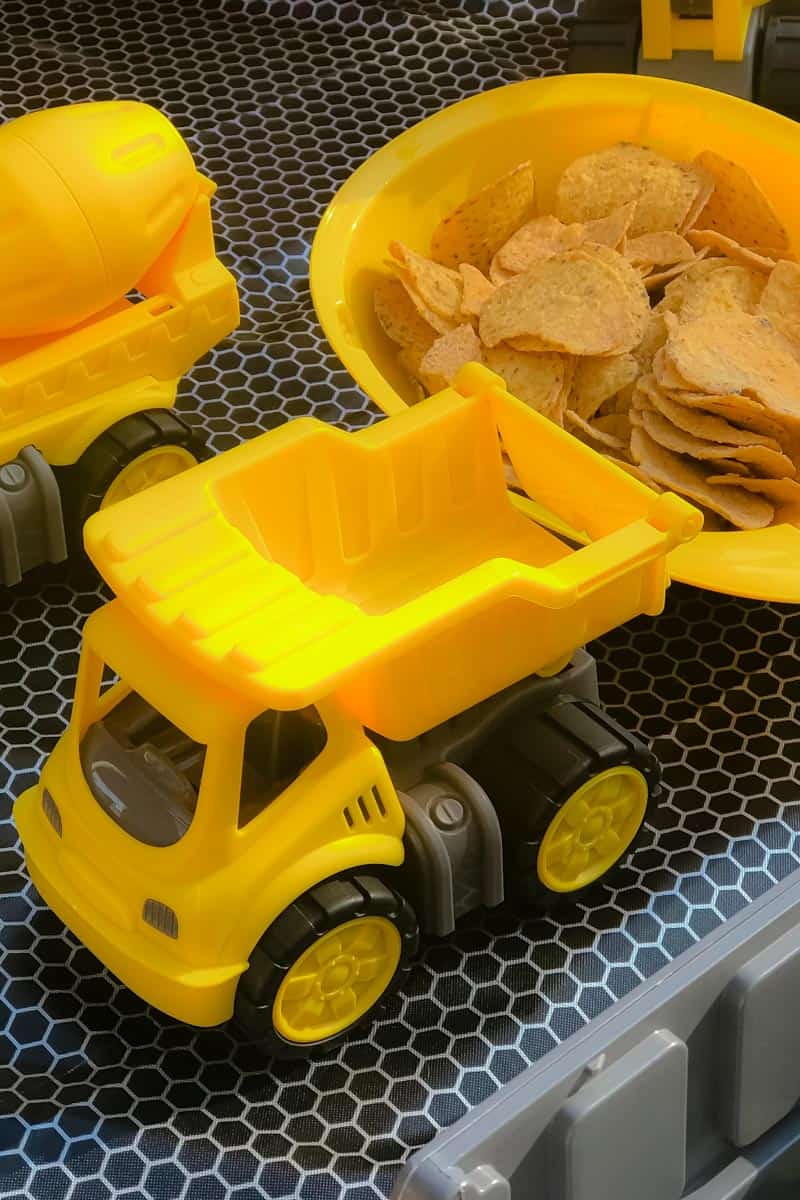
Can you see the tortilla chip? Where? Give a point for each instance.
(741, 508)
(530, 344)
(536, 379)
(596, 435)
(666, 373)
(476, 230)
(777, 491)
(399, 317)
(616, 424)
(635, 471)
(641, 414)
(738, 208)
(573, 302)
(704, 192)
(596, 184)
(597, 379)
(611, 230)
(698, 269)
(657, 250)
(744, 411)
(657, 279)
(737, 352)
(476, 290)
(620, 403)
(410, 358)
(638, 300)
(499, 275)
(729, 287)
(449, 353)
(770, 462)
(712, 240)
(438, 286)
(780, 300)
(433, 319)
(541, 238)
(707, 425)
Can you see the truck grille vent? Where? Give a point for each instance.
(51, 811)
(366, 810)
(161, 917)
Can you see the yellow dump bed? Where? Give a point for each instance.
(389, 566)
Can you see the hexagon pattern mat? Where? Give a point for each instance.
(100, 1095)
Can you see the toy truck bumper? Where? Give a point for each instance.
(147, 961)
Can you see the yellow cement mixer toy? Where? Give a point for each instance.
(110, 291)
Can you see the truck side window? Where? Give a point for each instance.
(278, 746)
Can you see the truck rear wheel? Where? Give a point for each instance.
(573, 790)
(605, 37)
(778, 77)
(325, 965)
(134, 454)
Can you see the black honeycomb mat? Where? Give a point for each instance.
(101, 1096)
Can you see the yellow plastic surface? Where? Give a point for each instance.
(404, 189)
(337, 980)
(592, 830)
(374, 565)
(97, 200)
(663, 31)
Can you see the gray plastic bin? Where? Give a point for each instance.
(689, 1087)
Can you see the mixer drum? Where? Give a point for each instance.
(90, 195)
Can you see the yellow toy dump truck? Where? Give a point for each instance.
(748, 48)
(348, 706)
(110, 290)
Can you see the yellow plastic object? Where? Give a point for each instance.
(312, 562)
(97, 201)
(592, 830)
(97, 878)
(75, 183)
(337, 980)
(357, 572)
(665, 30)
(154, 466)
(404, 189)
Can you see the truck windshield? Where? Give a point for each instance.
(143, 771)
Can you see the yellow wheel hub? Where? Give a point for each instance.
(335, 982)
(151, 467)
(592, 829)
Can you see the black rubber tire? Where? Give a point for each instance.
(777, 83)
(534, 764)
(84, 484)
(604, 37)
(315, 913)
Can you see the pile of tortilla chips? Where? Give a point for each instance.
(655, 314)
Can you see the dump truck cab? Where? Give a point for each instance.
(176, 802)
(345, 718)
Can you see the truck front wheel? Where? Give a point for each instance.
(325, 965)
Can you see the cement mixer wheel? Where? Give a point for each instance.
(135, 453)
